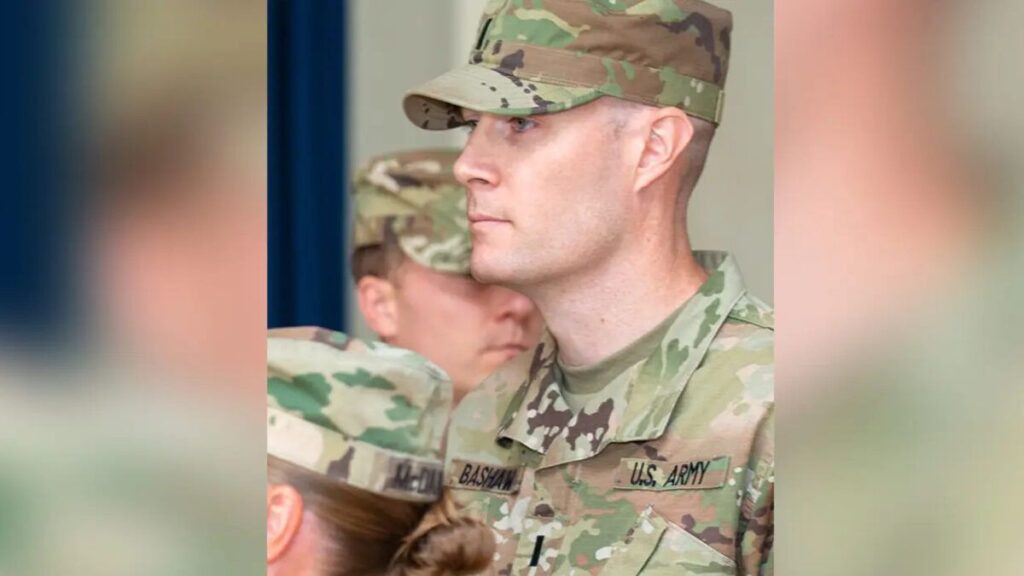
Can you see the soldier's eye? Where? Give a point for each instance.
(522, 124)
(469, 125)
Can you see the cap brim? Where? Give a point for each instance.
(438, 104)
(450, 255)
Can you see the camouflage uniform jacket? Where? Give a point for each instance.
(669, 471)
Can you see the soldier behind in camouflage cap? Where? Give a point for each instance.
(411, 266)
(354, 462)
(637, 437)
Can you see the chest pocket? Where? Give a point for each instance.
(551, 544)
(657, 547)
(650, 546)
(680, 552)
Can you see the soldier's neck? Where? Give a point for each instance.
(603, 309)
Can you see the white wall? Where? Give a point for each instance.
(732, 206)
(395, 45)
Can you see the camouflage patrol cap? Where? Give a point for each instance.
(414, 197)
(365, 414)
(535, 57)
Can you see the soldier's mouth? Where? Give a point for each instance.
(510, 349)
(478, 218)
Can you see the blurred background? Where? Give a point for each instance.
(899, 235)
(133, 287)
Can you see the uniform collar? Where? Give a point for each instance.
(638, 404)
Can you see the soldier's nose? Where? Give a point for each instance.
(473, 168)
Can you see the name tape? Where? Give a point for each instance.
(639, 474)
(485, 477)
(415, 478)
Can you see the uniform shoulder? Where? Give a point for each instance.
(744, 348)
(751, 310)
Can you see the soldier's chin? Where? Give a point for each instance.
(487, 268)
(483, 271)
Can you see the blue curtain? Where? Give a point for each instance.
(36, 223)
(307, 256)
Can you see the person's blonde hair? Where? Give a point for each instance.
(373, 535)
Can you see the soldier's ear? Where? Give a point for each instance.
(284, 518)
(669, 132)
(378, 304)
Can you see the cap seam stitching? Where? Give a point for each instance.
(599, 59)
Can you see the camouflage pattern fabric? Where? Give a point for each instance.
(414, 198)
(669, 471)
(534, 57)
(365, 414)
